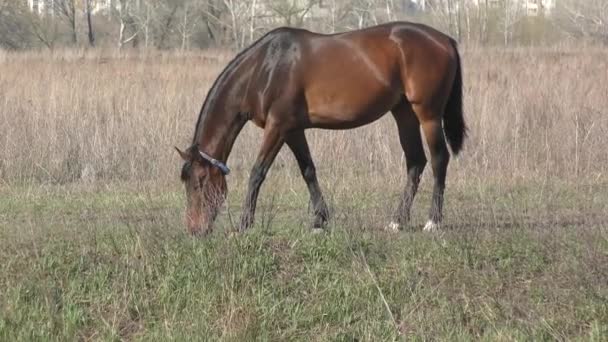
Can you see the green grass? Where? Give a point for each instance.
(98, 263)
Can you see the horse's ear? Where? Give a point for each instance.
(185, 155)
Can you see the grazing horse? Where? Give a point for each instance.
(293, 79)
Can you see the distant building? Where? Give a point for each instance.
(41, 6)
(421, 4)
(530, 7)
(103, 5)
(536, 7)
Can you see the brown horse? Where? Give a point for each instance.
(292, 79)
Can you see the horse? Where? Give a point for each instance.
(293, 79)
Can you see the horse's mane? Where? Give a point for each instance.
(219, 80)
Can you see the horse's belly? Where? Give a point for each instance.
(342, 110)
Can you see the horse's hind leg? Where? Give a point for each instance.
(411, 142)
(296, 141)
(440, 157)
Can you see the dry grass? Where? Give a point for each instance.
(91, 205)
(537, 117)
(533, 113)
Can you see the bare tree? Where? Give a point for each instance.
(146, 17)
(337, 12)
(66, 9)
(238, 12)
(482, 16)
(446, 15)
(165, 16)
(291, 12)
(14, 34)
(20, 28)
(128, 23)
(364, 12)
(512, 12)
(390, 9)
(585, 18)
(91, 34)
(190, 12)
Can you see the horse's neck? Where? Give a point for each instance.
(223, 120)
(219, 134)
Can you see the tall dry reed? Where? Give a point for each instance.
(534, 114)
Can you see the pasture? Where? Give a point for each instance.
(93, 244)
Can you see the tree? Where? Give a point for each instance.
(66, 9)
(587, 18)
(512, 12)
(291, 12)
(447, 15)
(365, 13)
(238, 11)
(21, 29)
(127, 23)
(187, 21)
(338, 12)
(13, 33)
(88, 11)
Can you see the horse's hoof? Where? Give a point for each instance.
(243, 228)
(431, 226)
(319, 223)
(393, 227)
(317, 231)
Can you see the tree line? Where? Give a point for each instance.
(188, 24)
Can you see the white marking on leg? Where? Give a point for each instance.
(392, 227)
(431, 226)
(318, 230)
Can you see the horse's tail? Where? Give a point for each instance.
(453, 119)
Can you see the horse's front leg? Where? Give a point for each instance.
(271, 145)
(296, 141)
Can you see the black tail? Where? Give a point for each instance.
(453, 119)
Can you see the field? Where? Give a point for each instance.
(93, 244)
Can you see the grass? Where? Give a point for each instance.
(117, 265)
(93, 246)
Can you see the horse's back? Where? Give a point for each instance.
(350, 79)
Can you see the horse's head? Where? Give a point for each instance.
(204, 179)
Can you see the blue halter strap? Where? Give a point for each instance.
(225, 170)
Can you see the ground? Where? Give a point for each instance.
(124, 268)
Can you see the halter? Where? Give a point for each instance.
(225, 170)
